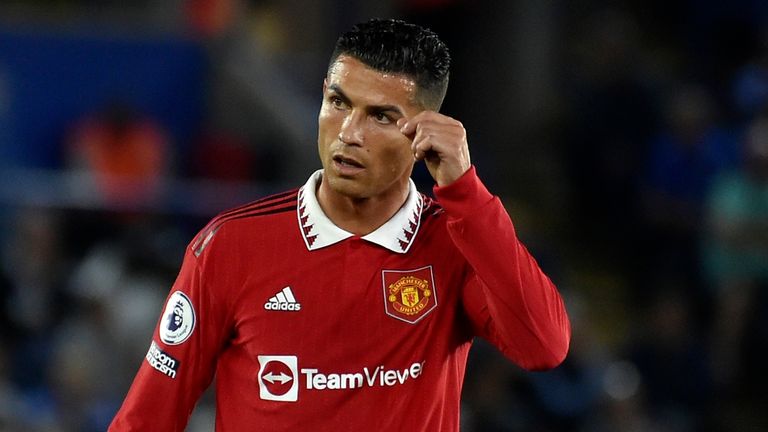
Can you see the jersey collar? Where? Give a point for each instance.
(397, 234)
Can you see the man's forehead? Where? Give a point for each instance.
(347, 71)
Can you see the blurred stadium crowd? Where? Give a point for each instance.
(628, 139)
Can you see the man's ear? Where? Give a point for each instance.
(325, 84)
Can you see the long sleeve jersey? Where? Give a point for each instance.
(308, 327)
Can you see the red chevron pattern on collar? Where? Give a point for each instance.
(318, 231)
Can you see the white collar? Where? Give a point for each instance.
(397, 234)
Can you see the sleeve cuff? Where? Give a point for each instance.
(464, 195)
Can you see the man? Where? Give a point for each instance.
(351, 303)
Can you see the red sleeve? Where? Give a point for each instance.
(181, 359)
(509, 300)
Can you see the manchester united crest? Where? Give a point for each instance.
(409, 295)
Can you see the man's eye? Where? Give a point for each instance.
(382, 118)
(337, 102)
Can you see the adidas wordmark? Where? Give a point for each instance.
(283, 301)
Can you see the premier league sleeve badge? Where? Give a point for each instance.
(178, 320)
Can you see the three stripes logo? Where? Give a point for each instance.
(283, 301)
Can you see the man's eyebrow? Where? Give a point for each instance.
(371, 108)
(386, 108)
(336, 89)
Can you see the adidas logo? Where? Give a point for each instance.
(283, 301)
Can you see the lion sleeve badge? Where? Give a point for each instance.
(178, 320)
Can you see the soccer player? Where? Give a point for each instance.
(351, 303)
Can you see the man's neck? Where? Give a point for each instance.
(360, 216)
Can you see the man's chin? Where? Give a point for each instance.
(346, 186)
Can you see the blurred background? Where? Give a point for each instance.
(629, 141)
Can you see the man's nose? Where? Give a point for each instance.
(352, 129)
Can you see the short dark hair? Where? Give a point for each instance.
(395, 46)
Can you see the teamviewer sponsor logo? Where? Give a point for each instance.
(283, 301)
(368, 377)
(278, 378)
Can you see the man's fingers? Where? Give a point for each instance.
(423, 142)
(406, 126)
(420, 146)
(409, 126)
(433, 136)
(440, 141)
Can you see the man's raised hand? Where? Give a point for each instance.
(441, 142)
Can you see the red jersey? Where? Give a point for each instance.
(308, 327)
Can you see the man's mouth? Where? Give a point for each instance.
(347, 162)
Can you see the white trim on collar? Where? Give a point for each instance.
(318, 231)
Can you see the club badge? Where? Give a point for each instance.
(409, 295)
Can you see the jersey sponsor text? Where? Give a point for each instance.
(377, 376)
(161, 361)
(279, 378)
